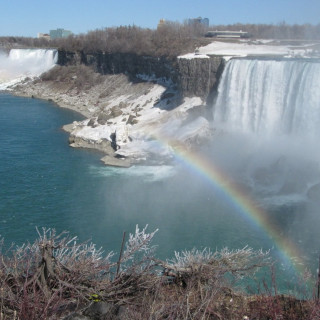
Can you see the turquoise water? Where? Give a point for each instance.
(45, 183)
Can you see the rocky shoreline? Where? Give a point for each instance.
(123, 118)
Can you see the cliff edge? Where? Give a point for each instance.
(124, 115)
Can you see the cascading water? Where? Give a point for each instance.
(269, 113)
(22, 63)
(270, 97)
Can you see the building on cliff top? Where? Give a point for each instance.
(161, 23)
(59, 33)
(228, 34)
(199, 20)
(44, 36)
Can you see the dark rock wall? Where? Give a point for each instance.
(193, 77)
(199, 76)
(128, 63)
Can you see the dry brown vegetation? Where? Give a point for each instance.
(56, 276)
(170, 40)
(78, 77)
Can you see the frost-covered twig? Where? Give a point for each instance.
(54, 270)
(139, 242)
(208, 264)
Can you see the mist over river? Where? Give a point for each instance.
(45, 183)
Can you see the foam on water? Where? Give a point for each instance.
(144, 173)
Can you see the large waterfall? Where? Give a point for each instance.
(21, 63)
(269, 111)
(267, 121)
(270, 96)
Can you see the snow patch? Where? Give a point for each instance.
(251, 48)
(154, 129)
(190, 56)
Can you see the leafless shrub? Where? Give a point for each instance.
(56, 272)
(39, 278)
(80, 77)
(207, 265)
(56, 275)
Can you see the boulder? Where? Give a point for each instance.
(132, 120)
(116, 162)
(103, 118)
(92, 123)
(115, 112)
(101, 310)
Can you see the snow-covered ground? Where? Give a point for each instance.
(253, 48)
(156, 127)
(146, 120)
(142, 120)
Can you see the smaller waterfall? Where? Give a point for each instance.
(270, 97)
(22, 63)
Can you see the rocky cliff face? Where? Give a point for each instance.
(192, 77)
(128, 63)
(199, 76)
(125, 116)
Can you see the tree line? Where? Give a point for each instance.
(169, 39)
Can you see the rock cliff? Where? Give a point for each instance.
(131, 100)
(199, 76)
(192, 76)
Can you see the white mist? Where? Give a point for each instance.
(22, 63)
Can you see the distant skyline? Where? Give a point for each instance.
(29, 17)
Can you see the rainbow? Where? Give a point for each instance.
(204, 167)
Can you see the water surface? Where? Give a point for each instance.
(45, 183)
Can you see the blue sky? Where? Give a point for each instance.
(28, 17)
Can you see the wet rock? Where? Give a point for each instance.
(102, 145)
(116, 162)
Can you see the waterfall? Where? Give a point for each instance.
(270, 97)
(22, 63)
(269, 111)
